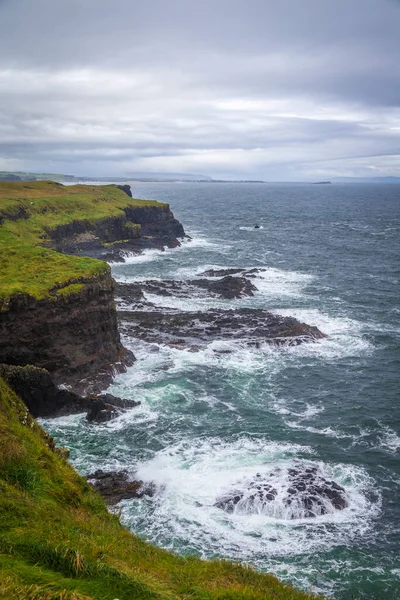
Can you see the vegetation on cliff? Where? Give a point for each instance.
(59, 542)
(30, 213)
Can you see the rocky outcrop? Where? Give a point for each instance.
(72, 335)
(107, 407)
(194, 330)
(38, 391)
(117, 486)
(226, 288)
(299, 492)
(44, 399)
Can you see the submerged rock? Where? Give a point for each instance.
(232, 271)
(227, 288)
(197, 329)
(117, 486)
(301, 492)
(106, 407)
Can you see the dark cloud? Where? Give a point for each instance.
(256, 88)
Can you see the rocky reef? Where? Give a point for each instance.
(298, 492)
(194, 330)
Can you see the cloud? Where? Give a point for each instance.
(233, 89)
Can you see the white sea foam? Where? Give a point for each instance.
(345, 335)
(253, 228)
(192, 475)
(278, 282)
(186, 245)
(389, 440)
(271, 283)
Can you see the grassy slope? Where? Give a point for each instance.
(28, 210)
(58, 541)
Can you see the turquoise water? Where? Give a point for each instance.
(209, 421)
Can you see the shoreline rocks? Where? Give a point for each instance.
(43, 398)
(117, 486)
(306, 494)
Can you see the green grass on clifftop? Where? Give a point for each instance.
(58, 541)
(29, 211)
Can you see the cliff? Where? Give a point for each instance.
(73, 334)
(59, 542)
(57, 310)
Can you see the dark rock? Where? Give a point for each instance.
(75, 337)
(126, 189)
(138, 229)
(117, 486)
(308, 494)
(38, 391)
(106, 407)
(232, 271)
(43, 398)
(197, 329)
(228, 287)
(256, 227)
(100, 412)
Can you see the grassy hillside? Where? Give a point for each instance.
(28, 213)
(58, 541)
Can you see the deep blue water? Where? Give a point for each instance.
(209, 421)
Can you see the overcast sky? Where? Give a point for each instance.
(277, 90)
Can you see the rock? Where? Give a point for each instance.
(305, 493)
(100, 412)
(117, 486)
(126, 189)
(233, 271)
(39, 392)
(256, 227)
(43, 398)
(73, 336)
(106, 407)
(197, 329)
(228, 287)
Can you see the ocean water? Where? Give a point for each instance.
(210, 421)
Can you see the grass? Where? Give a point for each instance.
(59, 542)
(30, 212)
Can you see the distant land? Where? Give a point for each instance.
(144, 177)
(366, 179)
(172, 177)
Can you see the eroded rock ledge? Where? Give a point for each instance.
(194, 330)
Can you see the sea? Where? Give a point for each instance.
(209, 421)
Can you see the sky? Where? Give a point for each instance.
(288, 90)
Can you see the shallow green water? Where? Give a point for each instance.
(210, 421)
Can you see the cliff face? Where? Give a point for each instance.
(56, 303)
(139, 228)
(73, 335)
